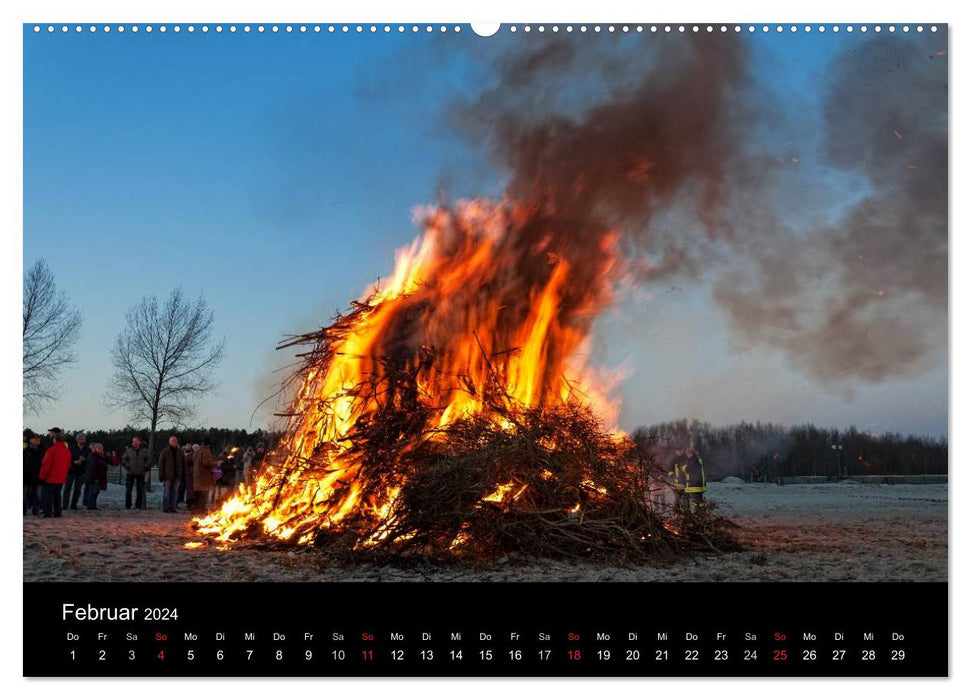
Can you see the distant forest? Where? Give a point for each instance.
(222, 438)
(756, 451)
(752, 451)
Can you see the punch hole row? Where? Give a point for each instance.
(442, 29)
(251, 28)
(722, 28)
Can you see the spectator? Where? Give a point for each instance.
(226, 483)
(257, 462)
(171, 469)
(79, 467)
(190, 477)
(184, 482)
(53, 473)
(217, 476)
(135, 462)
(202, 475)
(247, 463)
(95, 476)
(33, 459)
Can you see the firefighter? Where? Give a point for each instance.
(688, 478)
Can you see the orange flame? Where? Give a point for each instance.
(497, 312)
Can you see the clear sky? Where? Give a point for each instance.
(276, 175)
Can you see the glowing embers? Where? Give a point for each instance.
(506, 493)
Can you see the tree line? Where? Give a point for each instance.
(117, 439)
(164, 358)
(752, 451)
(757, 451)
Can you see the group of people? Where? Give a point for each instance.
(59, 477)
(58, 468)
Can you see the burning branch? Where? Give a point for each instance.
(449, 418)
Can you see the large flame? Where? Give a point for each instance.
(485, 297)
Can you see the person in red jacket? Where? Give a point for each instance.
(53, 473)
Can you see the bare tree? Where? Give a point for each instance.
(163, 361)
(52, 327)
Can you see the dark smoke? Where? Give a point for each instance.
(866, 298)
(596, 141)
(597, 137)
(666, 124)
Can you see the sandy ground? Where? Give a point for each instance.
(829, 532)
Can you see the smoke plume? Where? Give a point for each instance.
(597, 137)
(865, 298)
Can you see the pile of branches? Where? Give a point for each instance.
(571, 488)
(572, 491)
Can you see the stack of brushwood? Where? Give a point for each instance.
(548, 482)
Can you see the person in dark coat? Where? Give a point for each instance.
(135, 462)
(95, 476)
(202, 464)
(257, 464)
(53, 473)
(190, 478)
(171, 469)
(226, 481)
(75, 477)
(185, 487)
(33, 458)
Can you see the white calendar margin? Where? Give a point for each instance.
(386, 11)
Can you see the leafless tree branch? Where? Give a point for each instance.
(164, 361)
(51, 330)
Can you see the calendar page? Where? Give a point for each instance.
(485, 350)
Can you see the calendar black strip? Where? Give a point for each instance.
(486, 629)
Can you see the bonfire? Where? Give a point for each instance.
(451, 412)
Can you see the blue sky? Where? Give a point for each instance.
(276, 175)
